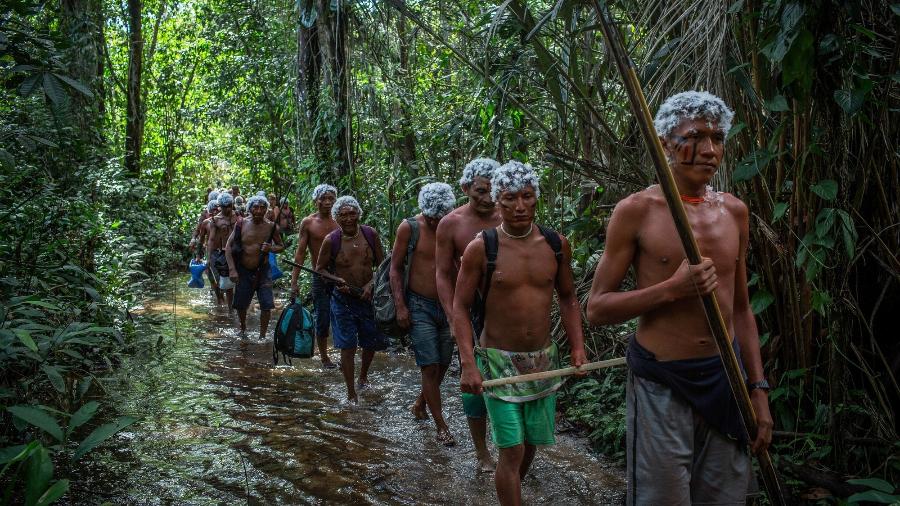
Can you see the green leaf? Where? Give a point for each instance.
(826, 188)
(777, 104)
(38, 471)
(56, 379)
(778, 211)
(75, 84)
(29, 85)
(896, 8)
(39, 418)
(53, 89)
(851, 101)
(26, 339)
(101, 434)
(874, 484)
(40, 303)
(14, 453)
(83, 414)
(761, 300)
(752, 165)
(736, 7)
(798, 64)
(873, 496)
(6, 159)
(820, 301)
(53, 493)
(848, 232)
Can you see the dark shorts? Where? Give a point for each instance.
(353, 324)
(321, 295)
(430, 332)
(247, 286)
(219, 262)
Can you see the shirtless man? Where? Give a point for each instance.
(352, 314)
(424, 316)
(196, 243)
(686, 441)
(286, 220)
(313, 230)
(235, 191)
(220, 228)
(454, 233)
(531, 263)
(203, 228)
(251, 241)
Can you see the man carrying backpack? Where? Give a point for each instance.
(351, 253)
(416, 303)
(516, 267)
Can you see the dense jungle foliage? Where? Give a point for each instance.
(116, 116)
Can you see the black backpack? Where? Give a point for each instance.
(382, 296)
(491, 246)
(293, 333)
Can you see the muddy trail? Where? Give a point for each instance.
(220, 425)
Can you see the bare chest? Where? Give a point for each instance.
(717, 234)
(252, 233)
(531, 265)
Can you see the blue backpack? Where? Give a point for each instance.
(293, 334)
(197, 267)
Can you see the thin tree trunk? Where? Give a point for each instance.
(134, 123)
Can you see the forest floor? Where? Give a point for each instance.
(220, 424)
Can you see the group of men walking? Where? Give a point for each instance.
(483, 276)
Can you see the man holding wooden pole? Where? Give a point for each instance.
(686, 441)
(516, 267)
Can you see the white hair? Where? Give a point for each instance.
(345, 201)
(479, 167)
(436, 200)
(212, 204)
(225, 199)
(692, 105)
(514, 176)
(213, 196)
(258, 200)
(322, 189)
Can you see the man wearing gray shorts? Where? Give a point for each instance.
(414, 288)
(686, 440)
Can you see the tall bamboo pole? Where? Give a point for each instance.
(667, 183)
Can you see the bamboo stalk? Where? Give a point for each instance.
(667, 183)
(555, 373)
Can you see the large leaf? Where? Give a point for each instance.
(826, 188)
(53, 493)
(55, 377)
(75, 84)
(38, 472)
(761, 300)
(874, 484)
(53, 89)
(26, 339)
(752, 165)
(83, 414)
(101, 434)
(39, 418)
(873, 496)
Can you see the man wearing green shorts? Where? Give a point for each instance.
(517, 285)
(454, 233)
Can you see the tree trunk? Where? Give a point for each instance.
(78, 23)
(309, 75)
(407, 136)
(134, 123)
(333, 36)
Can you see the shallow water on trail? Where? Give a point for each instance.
(220, 425)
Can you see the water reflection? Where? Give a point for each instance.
(221, 425)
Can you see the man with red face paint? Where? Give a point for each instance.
(517, 287)
(686, 442)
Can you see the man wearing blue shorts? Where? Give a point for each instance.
(247, 254)
(414, 288)
(313, 230)
(454, 233)
(351, 252)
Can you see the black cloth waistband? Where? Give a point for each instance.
(699, 381)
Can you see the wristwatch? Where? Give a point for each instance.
(762, 385)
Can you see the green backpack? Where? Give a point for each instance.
(382, 297)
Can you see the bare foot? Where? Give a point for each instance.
(486, 465)
(445, 437)
(418, 411)
(363, 385)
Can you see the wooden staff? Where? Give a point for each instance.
(355, 290)
(667, 182)
(555, 373)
